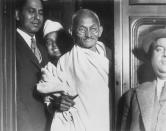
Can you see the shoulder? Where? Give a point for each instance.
(129, 95)
(65, 56)
(19, 39)
(125, 101)
(18, 36)
(146, 85)
(64, 59)
(107, 50)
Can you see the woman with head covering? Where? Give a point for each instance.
(57, 40)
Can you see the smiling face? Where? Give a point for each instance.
(159, 58)
(31, 16)
(86, 31)
(52, 47)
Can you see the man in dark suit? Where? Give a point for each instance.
(145, 106)
(30, 57)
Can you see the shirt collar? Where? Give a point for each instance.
(160, 85)
(160, 82)
(25, 36)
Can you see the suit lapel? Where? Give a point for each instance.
(23, 47)
(146, 95)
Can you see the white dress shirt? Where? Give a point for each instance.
(26, 37)
(160, 85)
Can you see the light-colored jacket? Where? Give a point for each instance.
(138, 109)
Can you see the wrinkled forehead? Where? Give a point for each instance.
(86, 17)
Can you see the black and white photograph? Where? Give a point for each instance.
(82, 65)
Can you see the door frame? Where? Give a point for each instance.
(8, 103)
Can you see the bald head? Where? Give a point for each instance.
(84, 13)
(86, 28)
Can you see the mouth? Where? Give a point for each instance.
(56, 51)
(36, 24)
(89, 39)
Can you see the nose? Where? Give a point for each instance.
(37, 15)
(88, 33)
(54, 45)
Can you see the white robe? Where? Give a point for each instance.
(85, 73)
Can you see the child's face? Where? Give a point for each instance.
(51, 45)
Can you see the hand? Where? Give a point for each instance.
(66, 102)
(61, 103)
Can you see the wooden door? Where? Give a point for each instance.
(133, 19)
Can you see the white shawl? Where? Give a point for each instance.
(85, 73)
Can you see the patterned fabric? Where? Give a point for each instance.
(35, 50)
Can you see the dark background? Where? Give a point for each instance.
(62, 10)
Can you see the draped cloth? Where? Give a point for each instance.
(85, 73)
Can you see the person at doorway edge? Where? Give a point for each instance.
(30, 57)
(145, 106)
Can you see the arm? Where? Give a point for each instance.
(59, 103)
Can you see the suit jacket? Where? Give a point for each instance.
(31, 114)
(138, 108)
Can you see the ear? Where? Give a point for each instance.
(17, 15)
(70, 30)
(100, 31)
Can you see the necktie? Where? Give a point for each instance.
(35, 50)
(163, 95)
